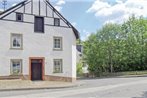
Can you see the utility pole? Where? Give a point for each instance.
(4, 3)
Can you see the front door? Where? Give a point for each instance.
(36, 69)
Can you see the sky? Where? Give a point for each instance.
(88, 16)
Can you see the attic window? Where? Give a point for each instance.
(39, 24)
(19, 17)
(56, 21)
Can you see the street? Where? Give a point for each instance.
(134, 87)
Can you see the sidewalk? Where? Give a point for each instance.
(8, 85)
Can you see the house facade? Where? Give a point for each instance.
(37, 43)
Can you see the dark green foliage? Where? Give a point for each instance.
(116, 48)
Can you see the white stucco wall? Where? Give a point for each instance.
(37, 45)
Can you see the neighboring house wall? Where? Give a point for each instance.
(79, 53)
(37, 44)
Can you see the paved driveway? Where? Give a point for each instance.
(135, 87)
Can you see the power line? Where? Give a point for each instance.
(4, 3)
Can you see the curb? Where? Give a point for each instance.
(119, 76)
(41, 88)
(129, 76)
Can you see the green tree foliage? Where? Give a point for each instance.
(116, 48)
(79, 68)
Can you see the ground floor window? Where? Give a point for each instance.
(58, 66)
(16, 67)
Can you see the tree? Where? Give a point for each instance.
(118, 47)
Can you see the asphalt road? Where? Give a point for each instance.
(135, 87)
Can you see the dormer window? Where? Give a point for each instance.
(56, 21)
(19, 17)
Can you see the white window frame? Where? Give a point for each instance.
(12, 61)
(60, 66)
(59, 44)
(18, 41)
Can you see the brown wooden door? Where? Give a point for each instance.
(36, 69)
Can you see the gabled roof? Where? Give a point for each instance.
(74, 29)
(49, 4)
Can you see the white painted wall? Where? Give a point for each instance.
(37, 45)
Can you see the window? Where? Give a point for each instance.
(39, 24)
(57, 43)
(16, 41)
(16, 67)
(19, 17)
(57, 65)
(56, 21)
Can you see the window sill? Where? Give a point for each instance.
(20, 74)
(19, 20)
(16, 48)
(39, 32)
(57, 49)
(57, 72)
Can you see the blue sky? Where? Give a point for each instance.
(90, 15)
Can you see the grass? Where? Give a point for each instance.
(125, 73)
(115, 74)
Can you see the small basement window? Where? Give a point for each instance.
(19, 17)
(56, 21)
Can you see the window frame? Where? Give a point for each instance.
(61, 43)
(11, 66)
(11, 41)
(55, 21)
(61, 66)
(35, 24)
(21, 17)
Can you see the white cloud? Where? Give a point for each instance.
(59, 4)
(14, 4)
(84, 34)
(1, 10)
(119, 11)
(74, 24)
(58, 8)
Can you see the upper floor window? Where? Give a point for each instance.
(16, 41)
(19, 17)
(57, 43)
(56, 21)
(39, 24)
(16, 67)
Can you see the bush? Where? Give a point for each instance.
(79, 68)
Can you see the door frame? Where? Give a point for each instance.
(30, 66)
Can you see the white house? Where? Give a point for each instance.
(37, 43)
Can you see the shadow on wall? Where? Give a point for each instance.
(144, 95)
